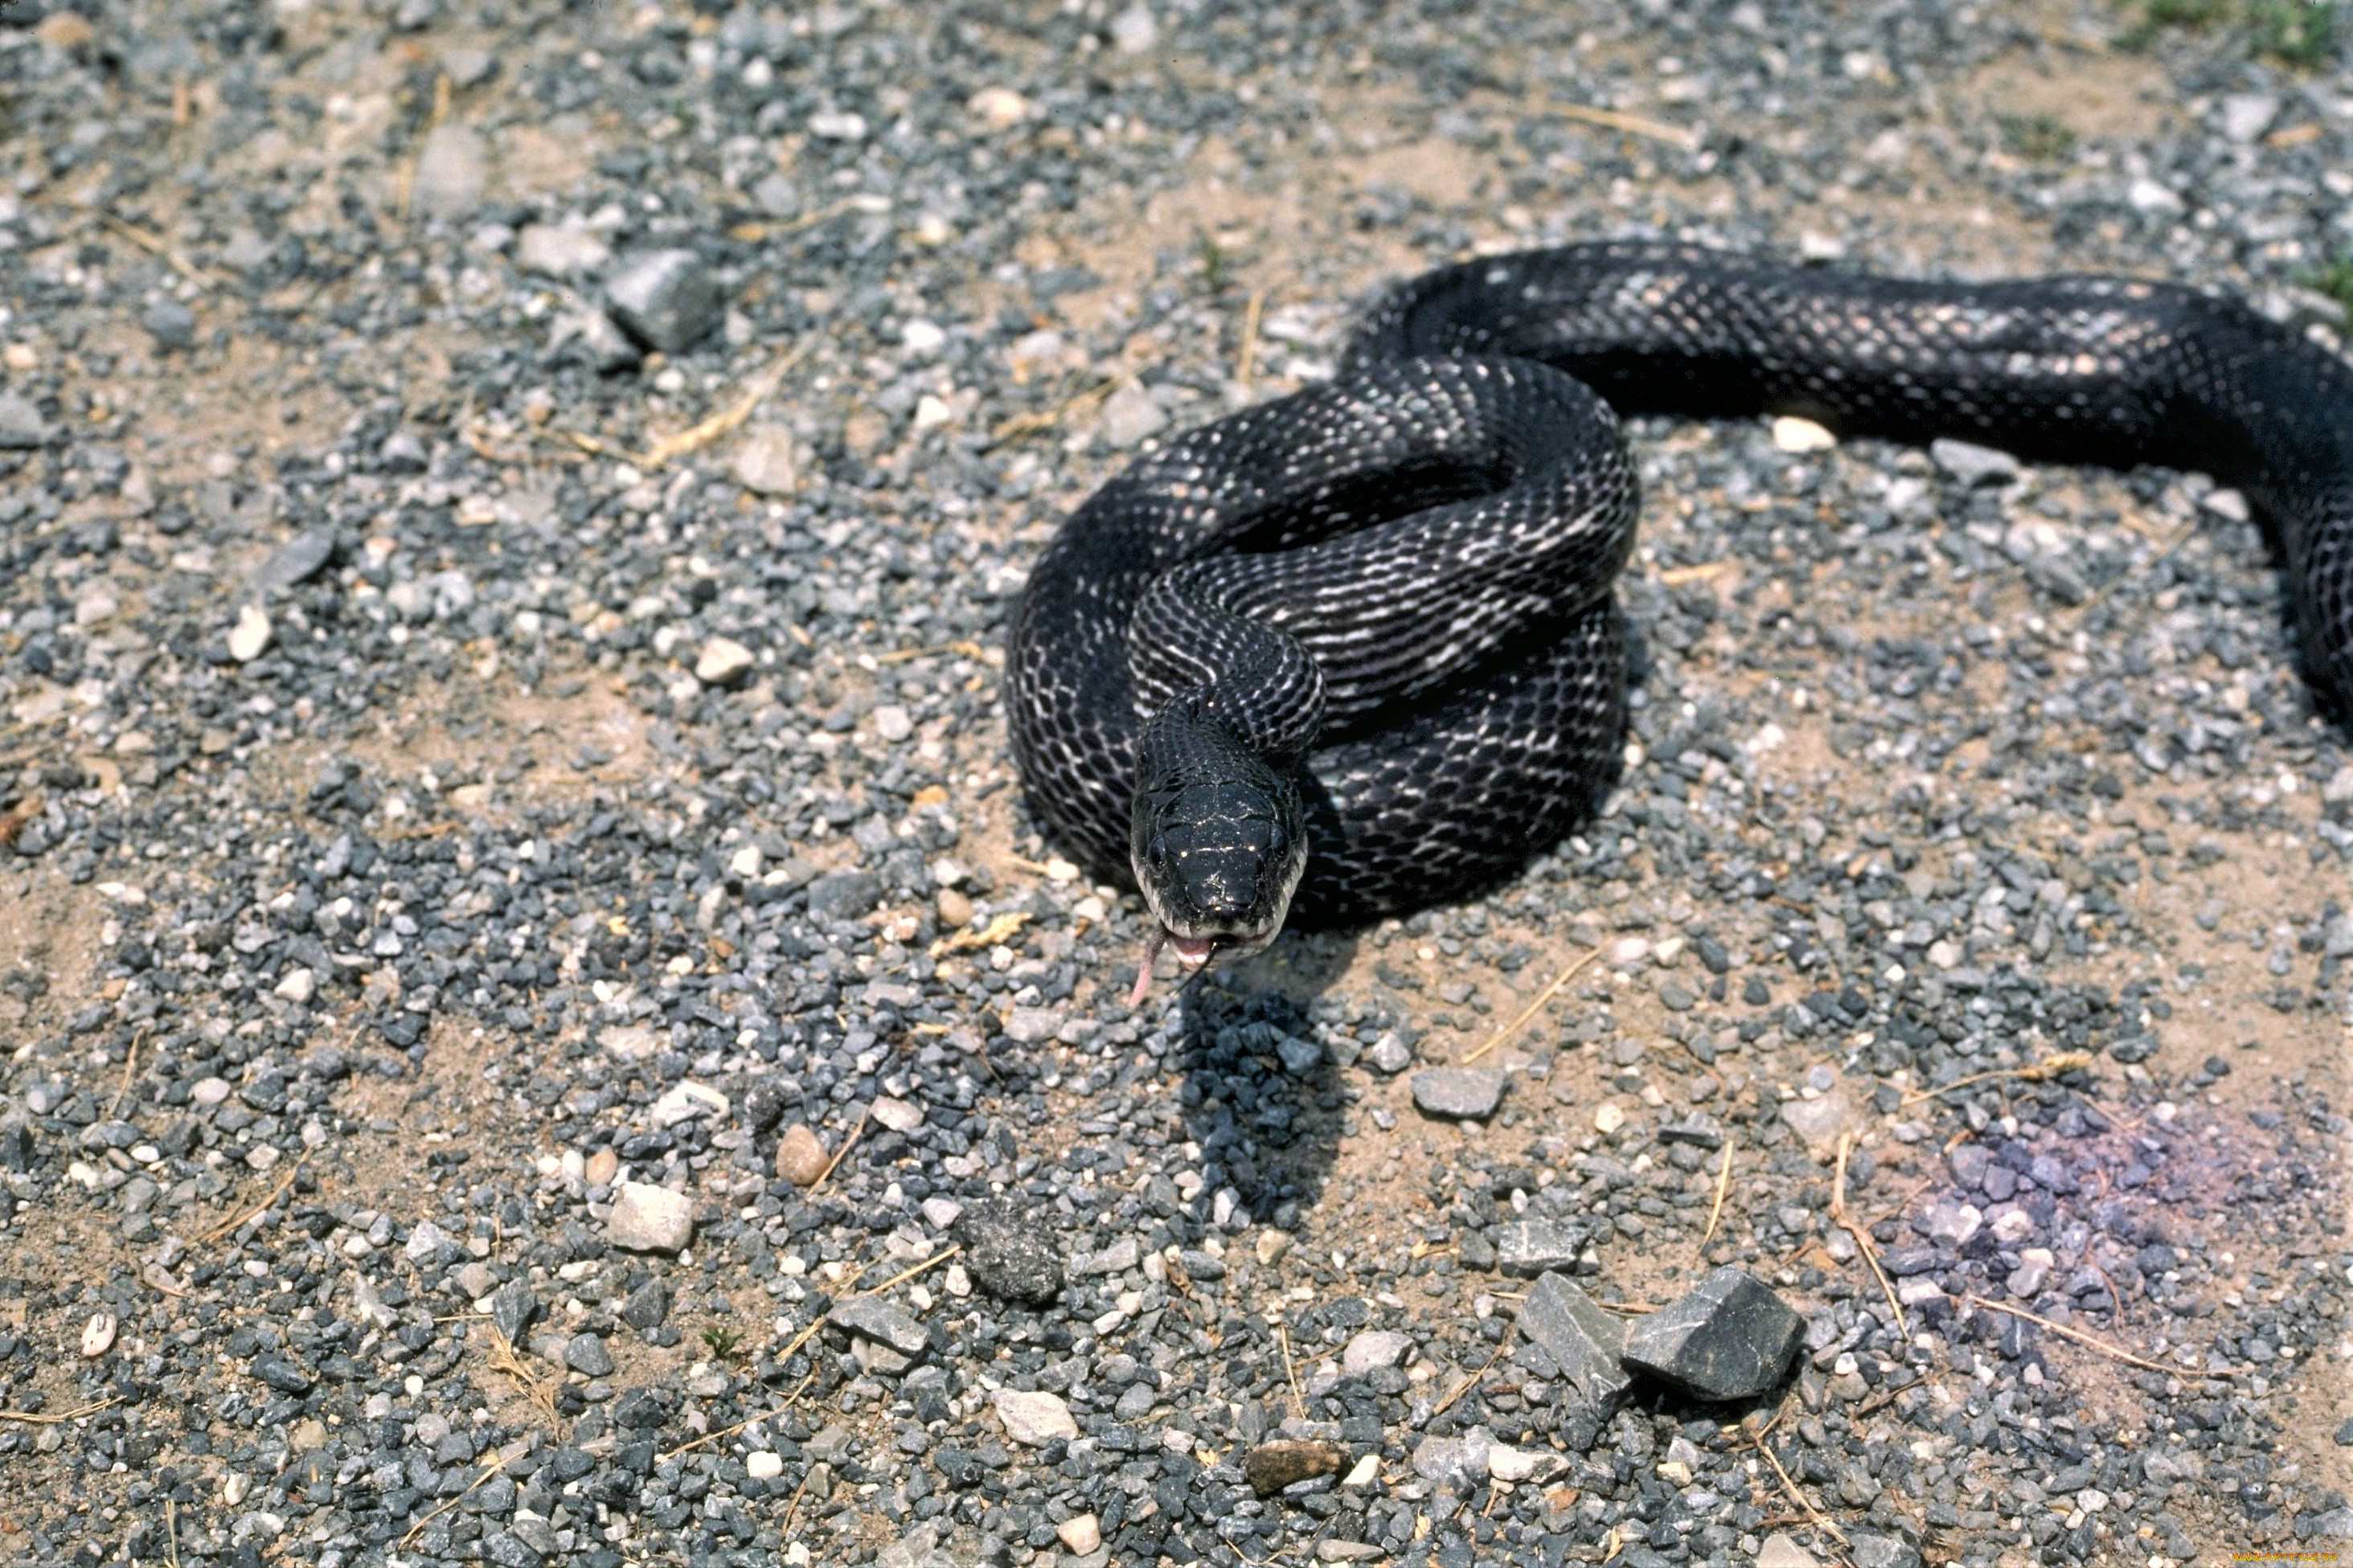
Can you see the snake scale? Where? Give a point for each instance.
(1355, 650)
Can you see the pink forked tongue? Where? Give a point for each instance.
(1152, 946)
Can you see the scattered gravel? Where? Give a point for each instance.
(537, 1029)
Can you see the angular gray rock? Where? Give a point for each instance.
(1528, 1247)
(872, 1318)
(1464, 1094)
(294, 562)
(1565, 1333)
(512, 1308)
(1729, 1337)
(1972, 464)
(22, 428)
(171, 324)
(586, 1353)
(844, 895)
(666, 300)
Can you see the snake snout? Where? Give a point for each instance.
(1217, 863)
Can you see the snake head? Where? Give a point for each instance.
(1218, 858)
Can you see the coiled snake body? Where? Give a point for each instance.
(1359, 644)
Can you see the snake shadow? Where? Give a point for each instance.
(1260, 1093)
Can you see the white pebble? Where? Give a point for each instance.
(250, 635)
(98, 1335)
(1791, 434)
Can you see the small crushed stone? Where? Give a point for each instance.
(455, 825)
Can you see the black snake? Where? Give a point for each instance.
(1357, 648)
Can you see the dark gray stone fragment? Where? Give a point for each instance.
(513, 1309)
(172, 324)
(586, 1353)
(844, 894)
(647, 1306)
(1464, 1094)
(282, 1375)
(1881, 1551)
(887, 1322)
(1007, 1254)
(22, 428)
(1570, 1332)
(296, 562)
(666, 300)
(1528, 1247)
(1729, 1337)
(1698, 1129)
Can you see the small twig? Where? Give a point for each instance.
(1530, 1011)
(2093, 1341)
(695, 438)
(228, 1227)
(925, 1267)
(157, 246)
(1722, 1182)
(1822, 1521)
(1290, 1369)
(1862, 1238)
(793, 1508)
(130, 1066)
(496, 1463)
(1464, 1386)
(848, 1144)
(1634, 124)
(2032, 1072)
(899, 656)
(1045, 419)
(1247, 359)
(172, 1531)
(38, 1418)
(997, 929)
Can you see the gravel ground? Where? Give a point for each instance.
(520, 954)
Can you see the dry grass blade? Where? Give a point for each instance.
(1471, 1382)
(1532, 1008)
(1632, 124)
(1290, 1370)
(1862, 1238)
(1246, 361)
(155, 245)
(1046, 419)
(2091, 1340)
(1822, 1521)
(43, 1418)
(964, 649)
(843, 1153)
(989, 935)
(130, 1069)
(540, 1391)
(490, 1467)
(1723, 1184)
(2032, 1072)
(925, 1267)
(694, 438)
(229, 1225)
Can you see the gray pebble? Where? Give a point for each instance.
(665, 300)
(1465, 1094)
